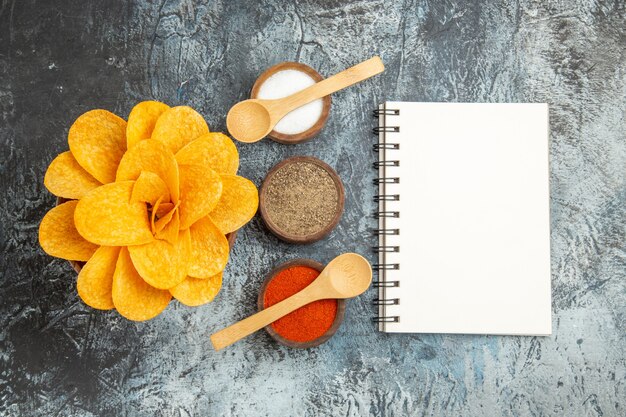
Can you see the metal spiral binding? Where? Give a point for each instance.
(382, 283)
(379, 214)
(386, 112)
(387, 180)
(379, 164)
(386, 129)
(387, 302)
(385, 249)
(387, 197)
(379, 146)
(385, 284)
(386, 267)
(386, 319)
(387, 232)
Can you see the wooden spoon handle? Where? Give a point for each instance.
(345, 78)
(245, 327)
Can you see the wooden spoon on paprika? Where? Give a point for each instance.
(346, 276)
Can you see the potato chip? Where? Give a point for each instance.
(149, 155)
(141, 121)
(194, 292)
(132, 296)
(162, 264)
(209, 249)
(95, 280)
(97, 140)
(178, 126)
(169, 230)
(165, 218)
(215, 150)
(200, 191)
(149, 187)
(153, 215)
(239, 203)
(66, 178)
(164, 208)
(106, 216)
(58, 235)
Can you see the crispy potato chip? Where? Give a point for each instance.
(165, 208)
(169, 231)
(238, 204)
(97, 140)
(149, 187)
(106, 216)
(141, 121)
(132, 296)
(200, 191)
(165, 219)
(95, 280)
(153, 215)
(66, 178)
(194, 292)
(209, 249)
(149, 155)
(162, 264)
(58, 235)
(215, 150)
(178, 126)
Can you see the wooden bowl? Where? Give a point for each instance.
(301, 239)
(341, 307)
(313, 130)
(78, 265)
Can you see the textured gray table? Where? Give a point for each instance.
(59, 59)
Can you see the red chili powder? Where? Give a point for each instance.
(308, 322)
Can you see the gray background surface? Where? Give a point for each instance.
(60, 59)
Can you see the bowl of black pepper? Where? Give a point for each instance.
(301, 199)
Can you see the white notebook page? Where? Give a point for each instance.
(474, 219)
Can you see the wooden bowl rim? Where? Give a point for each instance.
(78, 265)
(341, 306)
(311, 237)
(313, 130)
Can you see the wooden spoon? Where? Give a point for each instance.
(251, 120)
(346, 276)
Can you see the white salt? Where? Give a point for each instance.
(285, 83)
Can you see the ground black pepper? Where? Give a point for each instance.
(302, 198)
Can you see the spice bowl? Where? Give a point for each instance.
(285, 79)
(302, 326)
(301, 199)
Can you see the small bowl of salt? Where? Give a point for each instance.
(283, 80)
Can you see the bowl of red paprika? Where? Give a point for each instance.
(310, 325)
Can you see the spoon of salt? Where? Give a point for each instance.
(346, 276)
(251, 120)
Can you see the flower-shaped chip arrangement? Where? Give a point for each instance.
(150, 204)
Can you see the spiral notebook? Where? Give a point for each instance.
(464, 218)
